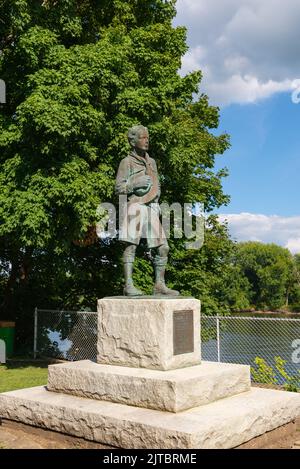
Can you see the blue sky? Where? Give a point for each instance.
(249, 53)
(264, 160)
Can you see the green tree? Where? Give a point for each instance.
(294, 290)
(78, 75)
(269, 270)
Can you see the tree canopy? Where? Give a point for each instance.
(270, 272)
(79, 74)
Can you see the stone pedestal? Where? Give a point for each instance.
(157, 334)
(149, 388)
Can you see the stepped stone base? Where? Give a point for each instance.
(149, 388)
(172, 391)
(224, 424)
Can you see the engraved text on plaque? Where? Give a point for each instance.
(183, 332)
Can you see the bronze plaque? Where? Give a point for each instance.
(183, 332)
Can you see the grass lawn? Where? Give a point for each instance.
(17, 375)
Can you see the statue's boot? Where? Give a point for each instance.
(160, 287)
(130, 289)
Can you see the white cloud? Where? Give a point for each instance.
(247, 49)
(294, 245)
(284, 231)
(246, 89)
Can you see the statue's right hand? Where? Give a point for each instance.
(143, 181)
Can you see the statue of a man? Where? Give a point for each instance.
(137, 178)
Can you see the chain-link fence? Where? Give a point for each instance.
(252, 341)
(256, 342)
(67, 335)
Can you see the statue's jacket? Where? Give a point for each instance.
(141, 217)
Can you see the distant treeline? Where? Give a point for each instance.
(269, 277)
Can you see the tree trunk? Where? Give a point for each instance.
(7, 307)
(20, 267)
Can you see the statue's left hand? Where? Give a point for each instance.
(143, 190)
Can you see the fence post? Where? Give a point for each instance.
(35, 333)
(218, 340)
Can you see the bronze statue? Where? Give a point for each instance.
(137, 178)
